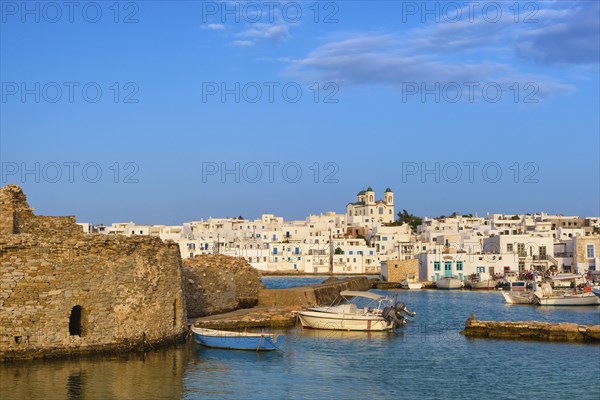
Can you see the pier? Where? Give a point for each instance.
(532, 330)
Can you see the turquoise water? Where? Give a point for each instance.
(426, 359)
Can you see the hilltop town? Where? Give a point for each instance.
(372, 233)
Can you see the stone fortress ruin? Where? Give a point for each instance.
(65, 292)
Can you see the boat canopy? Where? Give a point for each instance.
(353, 293)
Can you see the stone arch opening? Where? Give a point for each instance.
(75, 321)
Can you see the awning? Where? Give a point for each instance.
(368, 295)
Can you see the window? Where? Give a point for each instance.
(297, 250)
(509, 247)
(380, 210)
(275, 250)
(141, 232)
(384, 238)
(370, 252)
(459, 265)
(436, 266)
(480, 269)
(371, 211)
(589, 251)
(448, 266)
(350, 252)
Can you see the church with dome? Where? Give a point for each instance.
(367, 210)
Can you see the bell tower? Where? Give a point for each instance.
(388, 197)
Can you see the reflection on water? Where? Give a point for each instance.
(427, 358)
(153, 375)
(74, 386)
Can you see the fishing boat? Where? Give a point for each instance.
(377, 313)
(237, 340)
(549, 297)
(411, 282)
(448, 283)
(481, 281)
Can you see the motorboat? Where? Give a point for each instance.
(448, 283)
(357, 311)
(237, 340)
(549, 297)
(411, 282)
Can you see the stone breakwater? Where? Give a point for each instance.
(63, 292)
(309, 296)
(532, 330)
(215, 284)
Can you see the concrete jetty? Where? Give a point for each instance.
(257, 317)
(532, 330)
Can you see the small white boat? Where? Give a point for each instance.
(448, 283)
(520, 297)
(237, 340)
(548, 297)
(378, 314)
(411, 282)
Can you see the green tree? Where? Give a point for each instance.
(404, 217)
(338, 251)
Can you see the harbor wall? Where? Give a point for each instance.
(64, 292)
(310, 296)
(532, 330)
(216, 283)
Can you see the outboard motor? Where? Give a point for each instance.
(401, 309)
(390, 315)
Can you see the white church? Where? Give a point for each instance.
(367, 210)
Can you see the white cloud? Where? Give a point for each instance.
(215, 26)
(388, 60)
(243, 43)
(275, 32)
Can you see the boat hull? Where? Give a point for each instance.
(588, 299)
(237, 340)
(596, 291)
(448, 284)
(519, 297)
(483, 285)
(412, 285)
(343, 322)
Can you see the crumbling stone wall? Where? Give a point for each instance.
(128, 290)
(215, 283)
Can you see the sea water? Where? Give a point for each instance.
(427, 358)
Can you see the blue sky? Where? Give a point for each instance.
(499, 103)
